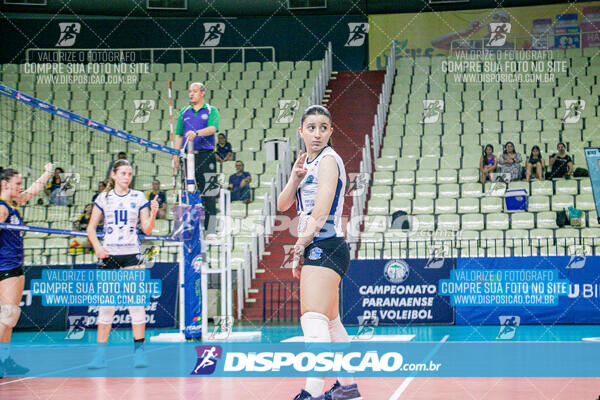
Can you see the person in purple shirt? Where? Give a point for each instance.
(239, 183)
(198, 123)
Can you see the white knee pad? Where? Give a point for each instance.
(138, 315)
(315, 327)
(337, 331)
(9, 315)
(105, 314)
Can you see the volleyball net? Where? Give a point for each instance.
(82, 146)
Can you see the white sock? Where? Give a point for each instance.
(4, 351)
(314, 386)
(338, 333)
(315, 327)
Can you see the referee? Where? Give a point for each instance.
(199, 122)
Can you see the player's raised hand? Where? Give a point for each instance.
(154, 205)
(49, 168)
(298, 170)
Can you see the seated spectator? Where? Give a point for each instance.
(487, 163)
(54, 189)
(239, 183)
(223, 149)
(81, 244)
(535, 162)
(510, 162)
(561, 163)
(161, 197)
(101, 188)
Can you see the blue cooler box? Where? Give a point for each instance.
(516, 200)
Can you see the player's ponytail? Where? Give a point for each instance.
(111, 182)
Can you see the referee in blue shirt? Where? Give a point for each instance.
(199, 122)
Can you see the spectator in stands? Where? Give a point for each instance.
(162, 199)
(510, 162)
(223, 149)
(239, 183)
(561, 163)
(535, 162)
(54, 189)
(77, 244)
(487, 163)
(101, 188)
(121, 156)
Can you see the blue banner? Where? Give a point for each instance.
(545, 290)
(393, 292)
(362, 359)
(160, 313)
(188, 219)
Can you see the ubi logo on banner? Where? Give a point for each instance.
(498, 33)
(358, 34)
(213, 31)
(207, 359)
(68, 33)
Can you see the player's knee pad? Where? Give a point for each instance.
(337, 331)
(315, 327)
(9, 315)
(105, 314)
(138, 315)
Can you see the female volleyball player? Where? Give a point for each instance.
(318, 184)
(121, 209)
(12, 279)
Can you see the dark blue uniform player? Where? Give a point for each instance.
(12, 280)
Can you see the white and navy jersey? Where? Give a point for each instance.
(121, 216)
(307, 193)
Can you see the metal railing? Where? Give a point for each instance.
(282, 302)
(124, 55)
(371, 144)
(454, 248)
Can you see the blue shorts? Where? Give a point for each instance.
(332, 253)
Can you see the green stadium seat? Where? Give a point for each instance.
(542, 188)
(381, 192)
(468, 205)
(590, 236)
(403, 191)
(468, 175)
(385, 164)
(523, 220)
(539, 203)
(384, 178)
(428, 191)
(567, 237)
(517, 238)
(561, 202)
(541, 237)
(444, 206)
(491, 205)
(448, 222)
(425, 176)
(448, 190)
(423, 206)
(491, 238)
(567, 187)
(471, 190)
(403, 177)
(472, 222)
(546, 220)
(585, 202)
(378, 207)
(498, 221)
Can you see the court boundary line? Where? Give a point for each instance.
(396, 395)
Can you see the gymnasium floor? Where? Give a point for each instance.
(277, 388)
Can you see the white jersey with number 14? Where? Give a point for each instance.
(121, 217)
